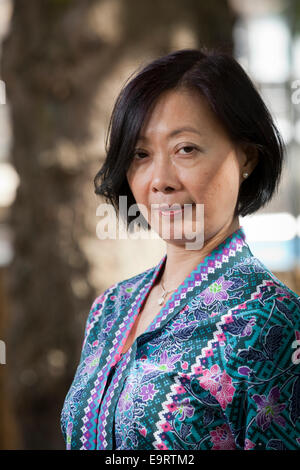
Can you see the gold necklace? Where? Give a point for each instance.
(162, 298)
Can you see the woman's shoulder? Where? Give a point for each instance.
(262, 331)
(266, 306)
(263, 277)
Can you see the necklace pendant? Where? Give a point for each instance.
(161, 301)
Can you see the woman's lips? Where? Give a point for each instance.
(170, 212)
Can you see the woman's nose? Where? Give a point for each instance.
(164, 176)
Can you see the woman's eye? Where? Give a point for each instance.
(138, 154)
(188, 148)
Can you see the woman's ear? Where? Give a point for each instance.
(250, 158)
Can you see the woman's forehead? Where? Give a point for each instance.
(178, 112)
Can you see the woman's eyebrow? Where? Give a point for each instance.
(175, 132)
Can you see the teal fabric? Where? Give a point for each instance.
(218, 368)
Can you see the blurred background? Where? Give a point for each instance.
(62, 65)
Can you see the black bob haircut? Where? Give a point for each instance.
(232, 97)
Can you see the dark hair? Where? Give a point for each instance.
(232, 97)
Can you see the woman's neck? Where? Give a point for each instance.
(181, 262)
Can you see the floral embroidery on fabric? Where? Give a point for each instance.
(219, 384)
(269, 409)
(216, 291)
(222, 438)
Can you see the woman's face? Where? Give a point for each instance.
(184, 156)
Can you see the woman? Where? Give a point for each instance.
(200, 351)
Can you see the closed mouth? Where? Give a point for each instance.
(176, 209)
(170, 212)
(173, 207)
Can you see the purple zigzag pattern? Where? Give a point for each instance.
(195, 279)
(195, 370)
(91, 411)
(99, 304)
(102, 442)
(121, 336)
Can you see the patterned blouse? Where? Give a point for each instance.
(218, 367)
